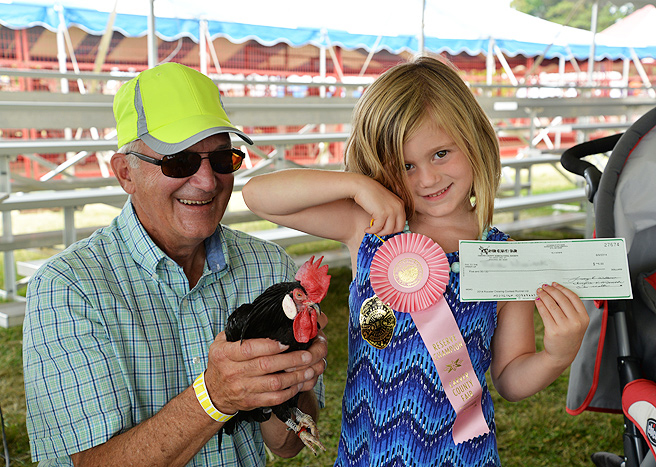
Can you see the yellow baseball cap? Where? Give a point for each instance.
(170, 107)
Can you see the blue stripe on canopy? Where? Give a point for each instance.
(265, 35)
(21, 16)
(28, 16)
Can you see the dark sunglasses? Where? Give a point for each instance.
(186, 163)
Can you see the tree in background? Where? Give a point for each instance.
(575, 13)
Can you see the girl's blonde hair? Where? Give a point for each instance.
(393, 108)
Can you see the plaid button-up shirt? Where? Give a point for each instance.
(112, 332)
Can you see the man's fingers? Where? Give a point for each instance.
(322, 320)
(260, 372)
(281, 381)
(263, 356)
(243, 389)
(256, 393)
(274, 389)
(242, 351)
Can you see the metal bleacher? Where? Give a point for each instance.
(52, 110)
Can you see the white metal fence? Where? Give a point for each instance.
(534, 122)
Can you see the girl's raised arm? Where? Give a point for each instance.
(330, 204)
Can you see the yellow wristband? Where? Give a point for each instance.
(205, 402)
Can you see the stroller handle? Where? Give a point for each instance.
(572, 161)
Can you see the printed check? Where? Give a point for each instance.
(595, 269)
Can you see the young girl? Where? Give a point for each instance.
(423, 158)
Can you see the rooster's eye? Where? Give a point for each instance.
(298, 294)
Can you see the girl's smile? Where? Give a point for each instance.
(437, 194)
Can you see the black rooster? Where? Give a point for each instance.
(286, 312)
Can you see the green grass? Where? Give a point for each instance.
(12, 395)
(535, 432)
(538, 428)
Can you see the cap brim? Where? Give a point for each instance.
(182, 134)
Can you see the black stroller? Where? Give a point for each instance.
(616, 366)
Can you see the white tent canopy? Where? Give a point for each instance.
(636, 30)
(469, 26)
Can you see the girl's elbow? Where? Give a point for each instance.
(507, 390)
(509, 394)
(249, 193)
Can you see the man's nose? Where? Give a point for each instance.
(205, 177)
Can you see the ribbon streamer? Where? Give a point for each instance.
(411, 272)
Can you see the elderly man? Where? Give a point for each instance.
(119, 326)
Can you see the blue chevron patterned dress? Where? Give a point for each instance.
(395, 411)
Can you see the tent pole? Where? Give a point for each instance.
(574, 63)
(370, 56)
(333, 56)
(489, 61)
(211, 48)
(625, 76)
(202, 46)
(338, 68)
(71, 52)
(103, 47)
(71, 49)
(593, 28)
(152, 39)
(61, 55)
(322, 61)
(66, 39)
(506, 67)
(643, 75)
(421, 31)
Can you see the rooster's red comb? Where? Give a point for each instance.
(314, 279)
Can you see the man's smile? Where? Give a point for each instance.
(196, 202)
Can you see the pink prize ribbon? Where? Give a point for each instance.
(410, 272)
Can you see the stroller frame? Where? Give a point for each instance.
(599, 189)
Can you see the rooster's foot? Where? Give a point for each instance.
(306, 430)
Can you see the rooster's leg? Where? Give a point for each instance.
(301, 426)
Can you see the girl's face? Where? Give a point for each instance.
(439, 173)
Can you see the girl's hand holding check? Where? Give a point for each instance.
(565, 321)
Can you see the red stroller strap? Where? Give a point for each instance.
(595, 378)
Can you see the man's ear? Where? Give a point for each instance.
(123, 172)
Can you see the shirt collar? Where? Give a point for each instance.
(215, 251)
(138, 242)
(146, 253)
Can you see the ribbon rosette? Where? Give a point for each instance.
(411, 272)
